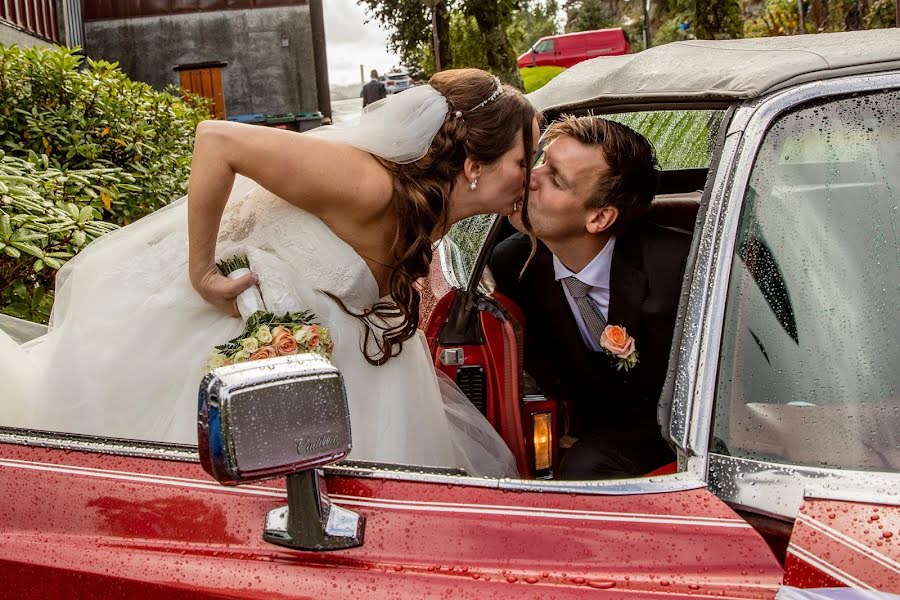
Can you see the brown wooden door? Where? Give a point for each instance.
(205, 82)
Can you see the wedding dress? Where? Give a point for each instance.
(129, 337)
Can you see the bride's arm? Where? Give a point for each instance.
(336, 182)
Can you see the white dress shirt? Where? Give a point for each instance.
(596, 275)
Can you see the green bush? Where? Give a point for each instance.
(46, 217)
(881, 15)
(671, 31)
(83, 149)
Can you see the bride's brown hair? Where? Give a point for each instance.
(422, 190)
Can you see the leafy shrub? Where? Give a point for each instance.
(673, 30)
(82, 149)
(880, 15)
(46, 217)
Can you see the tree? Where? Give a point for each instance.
(411, 33)
(534, 20)
(717, 19)
(585, 15)
(528, 25)
(409, 22)
(493, 16)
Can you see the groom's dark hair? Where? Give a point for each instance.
(633, 175)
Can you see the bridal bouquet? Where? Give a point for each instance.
(266, 334)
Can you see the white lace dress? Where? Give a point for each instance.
(129, 337)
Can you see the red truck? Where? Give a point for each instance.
(572, 48)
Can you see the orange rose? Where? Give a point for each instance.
(617, 341)
(313, 342)
(263, 352)
(284, 342)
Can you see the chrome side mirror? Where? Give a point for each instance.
(281, 416)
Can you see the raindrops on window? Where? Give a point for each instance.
(809, 363)
(465, 239)
(682, 139)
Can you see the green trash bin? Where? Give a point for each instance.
(308, 120)
(282, 121)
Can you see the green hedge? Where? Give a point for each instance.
(82, 150)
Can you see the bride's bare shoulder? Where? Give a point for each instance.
(314, 173)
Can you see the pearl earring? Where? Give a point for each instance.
(473, 185)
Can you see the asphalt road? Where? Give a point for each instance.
(343, 111)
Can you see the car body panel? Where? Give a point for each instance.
(154, 527)
(839, 543)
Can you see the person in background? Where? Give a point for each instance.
(373, 91)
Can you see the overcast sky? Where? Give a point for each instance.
(351, 42)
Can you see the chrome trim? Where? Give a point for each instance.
(689, 353)
(445, 256)
(452, 357)
(533, 398)
(777, 490)
(82, 443)
(663, 484)
(676, 482)
(717, 246)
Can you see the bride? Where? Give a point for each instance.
(341, 221)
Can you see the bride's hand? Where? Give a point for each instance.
(222, 292)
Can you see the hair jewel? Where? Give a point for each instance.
(497, 91)
(458, 114)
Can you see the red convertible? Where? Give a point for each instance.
(782, 158)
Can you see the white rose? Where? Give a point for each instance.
(250, 345)
(216, 360)
(264, 334)
(302, 334)
(242, 355)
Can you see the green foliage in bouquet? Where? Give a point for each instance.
(261, 322)
(84, 148)
(230, 265)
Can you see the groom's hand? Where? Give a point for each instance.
(222, 292)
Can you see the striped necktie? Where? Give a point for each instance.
(589, 310)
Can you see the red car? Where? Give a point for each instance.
(780, 156)
(568, 49)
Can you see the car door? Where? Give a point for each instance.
(89, 518)
(796, 364)
(476, 340)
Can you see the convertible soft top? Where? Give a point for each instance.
(718, 70)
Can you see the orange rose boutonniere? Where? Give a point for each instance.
(617, 343)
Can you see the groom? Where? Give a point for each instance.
(597, 264)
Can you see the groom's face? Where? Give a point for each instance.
(561, 188)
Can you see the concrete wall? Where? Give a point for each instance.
(262, 76)
(9, 35)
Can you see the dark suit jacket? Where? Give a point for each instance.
(372, 92)
(645, 281)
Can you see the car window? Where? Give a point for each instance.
(808, 371)
(544, 47)
(465, 239)
(683, 139)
